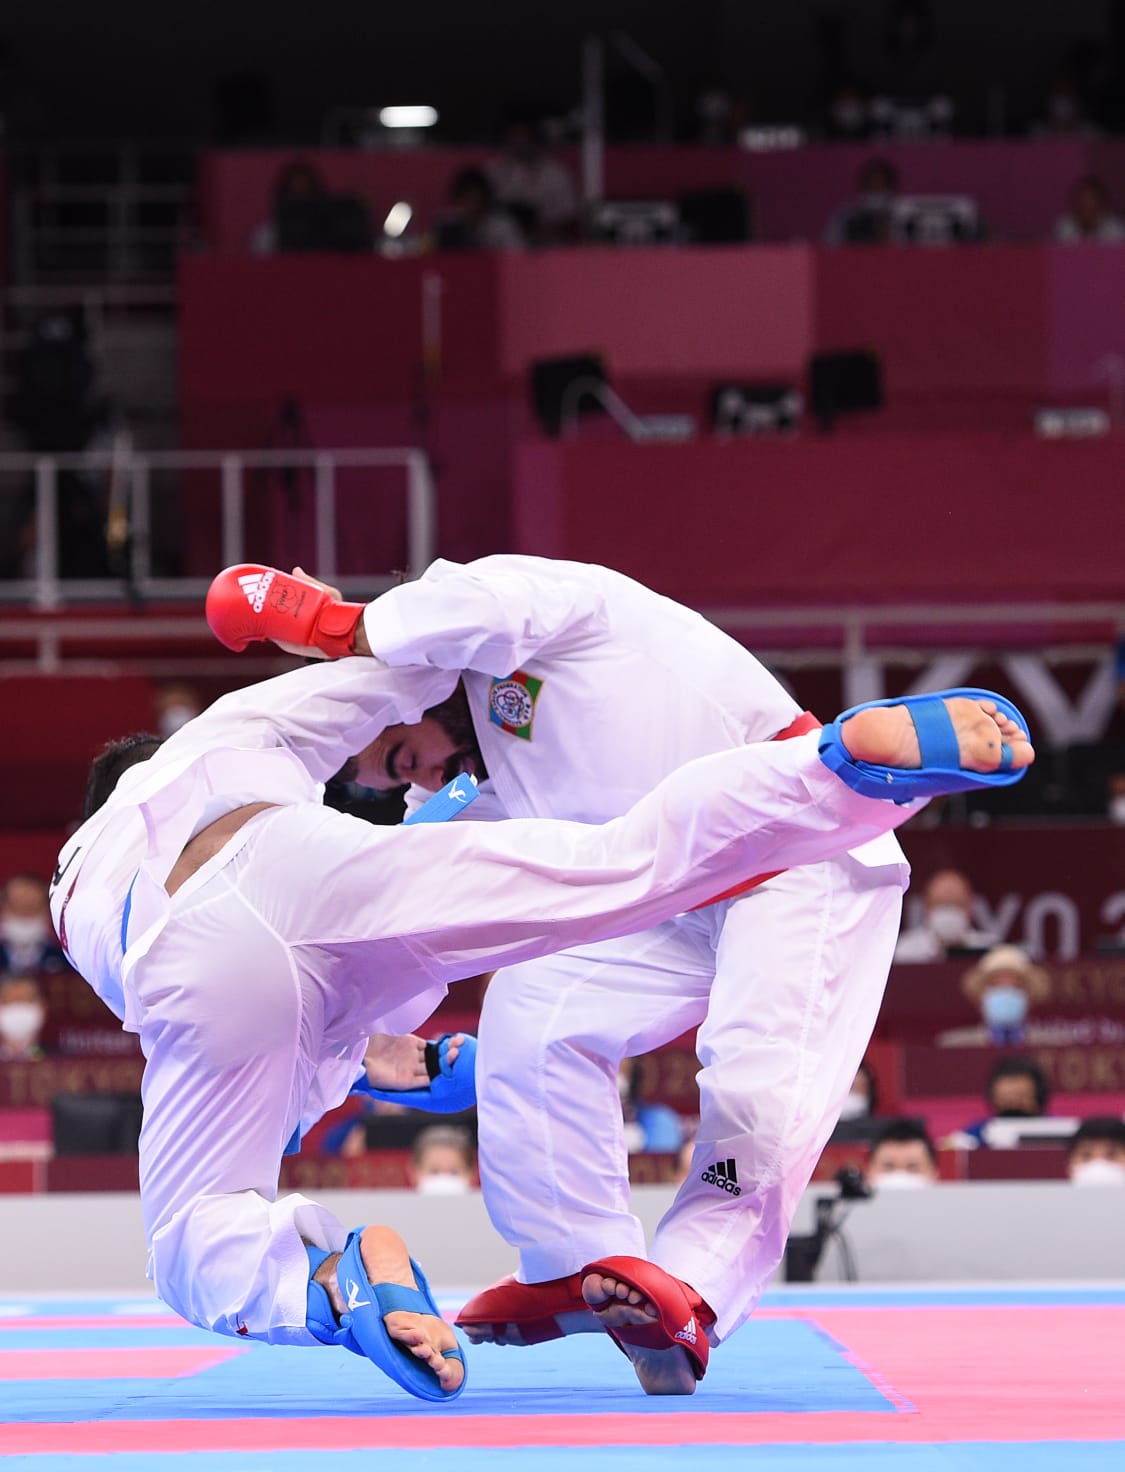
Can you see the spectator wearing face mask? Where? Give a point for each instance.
(947, 922)
(902, 1157)
(27, 937)
(1006, 985)
(22, 1015)
(443, 1162)
(863, 1097)
(1095, 1154)
(648, 1126)
(1017, 1089)
(175, 705)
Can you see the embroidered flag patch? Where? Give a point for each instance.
(511, 703)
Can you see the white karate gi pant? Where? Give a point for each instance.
(784, 984)
(311, 930)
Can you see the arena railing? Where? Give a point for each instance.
(127, 492)
(100, 211)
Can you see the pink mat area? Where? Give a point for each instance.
(957, 1372)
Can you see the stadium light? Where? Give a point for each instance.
(398, 217)
(408, 117)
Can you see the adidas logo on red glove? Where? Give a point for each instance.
(249, 602)
(256, 585)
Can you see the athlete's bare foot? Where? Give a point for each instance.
(660, 1371)
(885, 735)
(425, 1335)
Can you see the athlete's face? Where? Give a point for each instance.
(422, 753)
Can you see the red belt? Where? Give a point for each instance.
(803, 723)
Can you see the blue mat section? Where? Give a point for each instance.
(950, 1457)
(781, 1365)
(797, 1297)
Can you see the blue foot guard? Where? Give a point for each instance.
(941, 771)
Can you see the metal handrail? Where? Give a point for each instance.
(47, 591)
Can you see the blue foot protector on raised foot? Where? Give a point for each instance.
(367, 1302)
(941, 771)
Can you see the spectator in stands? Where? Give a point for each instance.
(1115, 799)
(56, 408)
(296, 181)
(534, 187)
(867, 219)
(1095, 1154)
(1006, 985)
(443, 1161)
(1065, 106)
(863, 1097)
(27, 938)
(175, 704)
(947, 922)
(22, 1015)
(685, 1154)
(847, 116)
(1089, 217)
(1017, 1089)
(720, 117)
(902, 1157)
(648, 1127)
(378, 1126)
(473, 220)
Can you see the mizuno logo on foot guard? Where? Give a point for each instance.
(688, 1332)
(256, 585)
(723, 1175)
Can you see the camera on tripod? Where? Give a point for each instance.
(803, 1253)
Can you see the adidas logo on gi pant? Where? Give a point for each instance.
(256, 585)
(723, 1175)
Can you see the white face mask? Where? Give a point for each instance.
(1117, 809)
(634, 1137)
(172, 717)
(855, 1106)
(25, 930)
(1099, 1172)
(20, 1022)
(899, 1180)
(443, 1185)
(949, 923)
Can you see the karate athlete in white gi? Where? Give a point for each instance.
(586, 690)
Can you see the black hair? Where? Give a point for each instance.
(471, 181)
(1095, 183)
(882, 166)
(456, 720)
(1021, 1068)
(113, 759)
(27, 877)
(904, 1132)
(872, 1087)
(1105, 1127)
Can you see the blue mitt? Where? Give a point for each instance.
(452, 1086)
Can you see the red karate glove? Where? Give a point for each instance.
(249, 602)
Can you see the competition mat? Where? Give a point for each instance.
(820, 1380)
